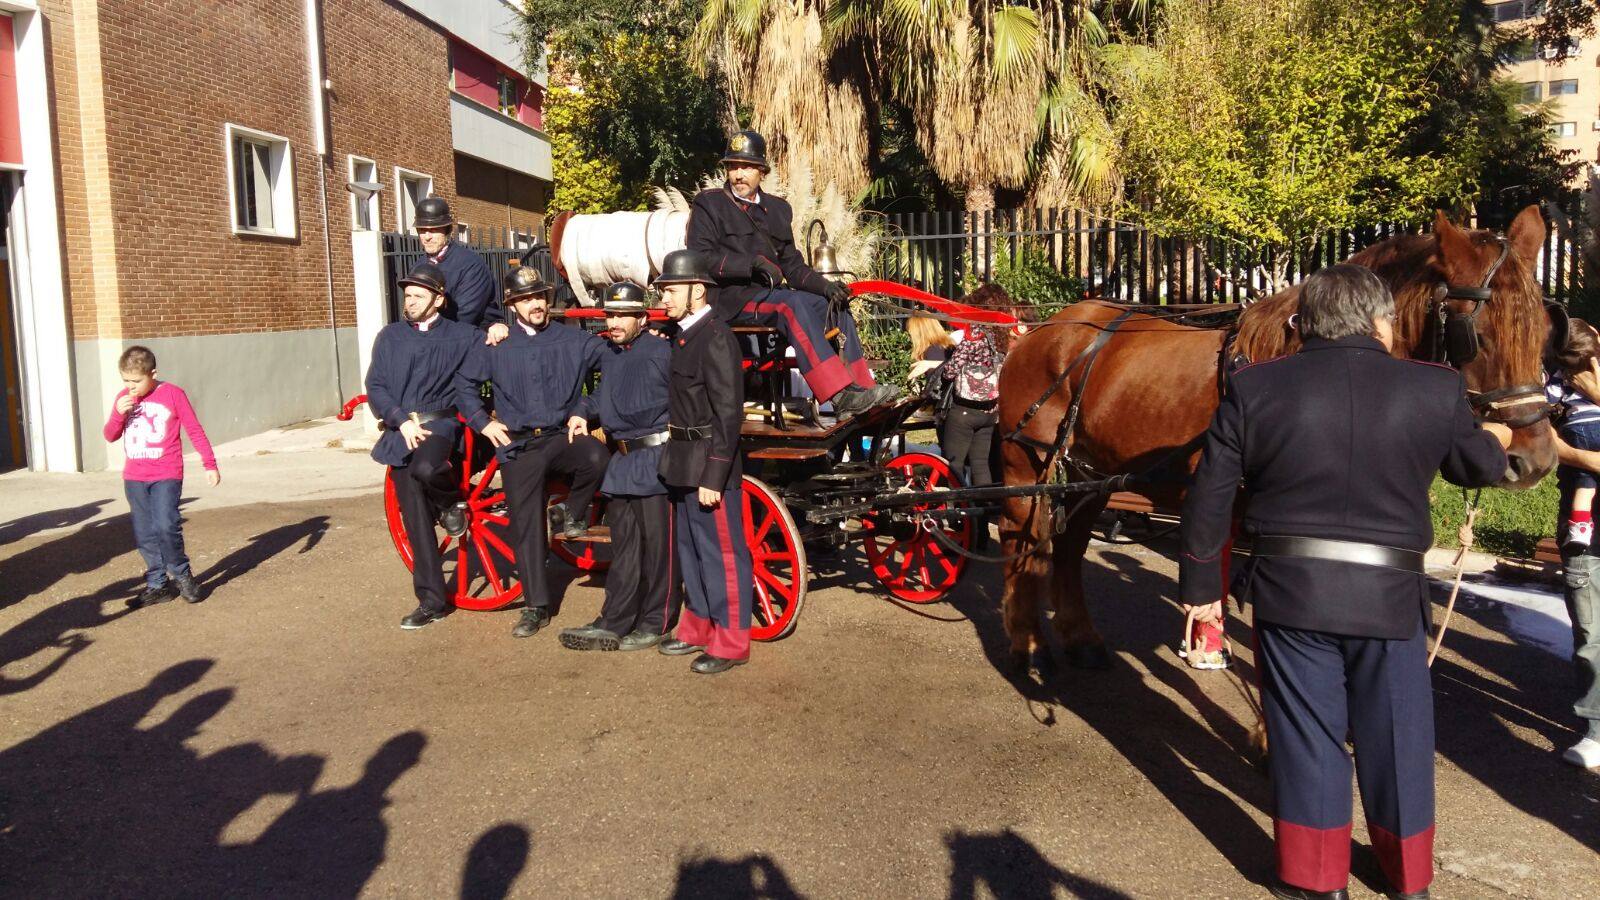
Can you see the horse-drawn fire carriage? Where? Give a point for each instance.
(813, 482)
(1084, 421)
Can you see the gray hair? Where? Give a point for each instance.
(1341, 301)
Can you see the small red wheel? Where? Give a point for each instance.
(777, 559)
(586, 556)
(905, 557)
(481, 564)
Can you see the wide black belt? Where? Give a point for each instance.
(1340, 551)
(634, 445)
(691, 433)
(522, 434)
(422, 418)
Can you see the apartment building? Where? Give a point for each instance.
(191, 176)
(1565, 76)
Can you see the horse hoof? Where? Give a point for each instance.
(1088, 656)
(1019, 664)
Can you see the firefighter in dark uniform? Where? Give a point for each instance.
(631, 405)
(537, 374)
(473, 299)
(1336, 447)
(701, 469)
(411, 390)
(747, 238)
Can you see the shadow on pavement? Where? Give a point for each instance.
(17, 529)
(97, 805)
(1004, 865)
(756, 877)
(1201, 766)
(60, 626)
(262, 547)
(494, 863)
(38, 568)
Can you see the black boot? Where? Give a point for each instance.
(588, 637)
(189, 589)
(533, 619)
(454, 519)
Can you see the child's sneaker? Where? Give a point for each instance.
(150, 596)
(189, 589)
(1585, 754)
(1579, 535)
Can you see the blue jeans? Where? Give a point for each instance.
(157, 529)
(1583, 606)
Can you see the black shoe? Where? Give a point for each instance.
(454, 519)
(706, 664)
(533, 619)
(420, 618)
(1290, 892)
(851, 401)
(1415, 895)
(556, 517)
(884, 394)
(575, 528)
(189, 589)
(589, 637)
(640, 640)
(150, 596)
(674, 647)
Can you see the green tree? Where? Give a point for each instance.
(583, 183)
(1270, 124)
(636, 110)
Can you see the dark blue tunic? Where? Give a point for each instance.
(415, 371)
(537, 379)
(631, 402)
(473, 298)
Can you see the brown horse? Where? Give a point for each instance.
(1150, 392)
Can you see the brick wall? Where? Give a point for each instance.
(493, 197)
(144, 90)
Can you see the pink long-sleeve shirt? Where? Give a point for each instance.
(150, 438)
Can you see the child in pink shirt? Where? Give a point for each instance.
(147, 417)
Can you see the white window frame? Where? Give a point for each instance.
(402, 198)
(280, 166)
(374, 211)
(1550, 89)
(1564, 129)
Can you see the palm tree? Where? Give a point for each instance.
(1005, 93)
(809, 95)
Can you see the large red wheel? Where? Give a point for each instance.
(586, 556)
(481, 564)
(778, 560)
(904, 556)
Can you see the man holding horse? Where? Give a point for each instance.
(1336, 446)
(747, 237)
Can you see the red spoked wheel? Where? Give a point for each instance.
(904, 556)
(778, 560)
(586, 556)
(481, 564)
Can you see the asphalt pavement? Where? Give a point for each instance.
(285, 738)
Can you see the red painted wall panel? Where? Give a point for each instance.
(10, 127)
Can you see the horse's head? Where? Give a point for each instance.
(1480, 310)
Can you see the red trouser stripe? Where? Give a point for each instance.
(1408, 862)
(796, 333)
(730, 567)
(1316, 859)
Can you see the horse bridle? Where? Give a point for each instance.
(1455, 343)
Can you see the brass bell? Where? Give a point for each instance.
(823, 260)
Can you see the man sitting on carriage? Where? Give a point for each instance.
(411, 389)
(748, 239)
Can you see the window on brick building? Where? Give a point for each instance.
(1564, 129)
(1532, 91)
(261, 172)
(1563, 86)
(363, 203)
(410, 188)
(1517, 9)
(510, 95)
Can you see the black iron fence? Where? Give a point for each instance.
(949, 253)
(498, 247)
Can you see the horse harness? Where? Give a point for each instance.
(1454, 342)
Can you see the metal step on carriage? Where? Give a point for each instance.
(822, 486)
